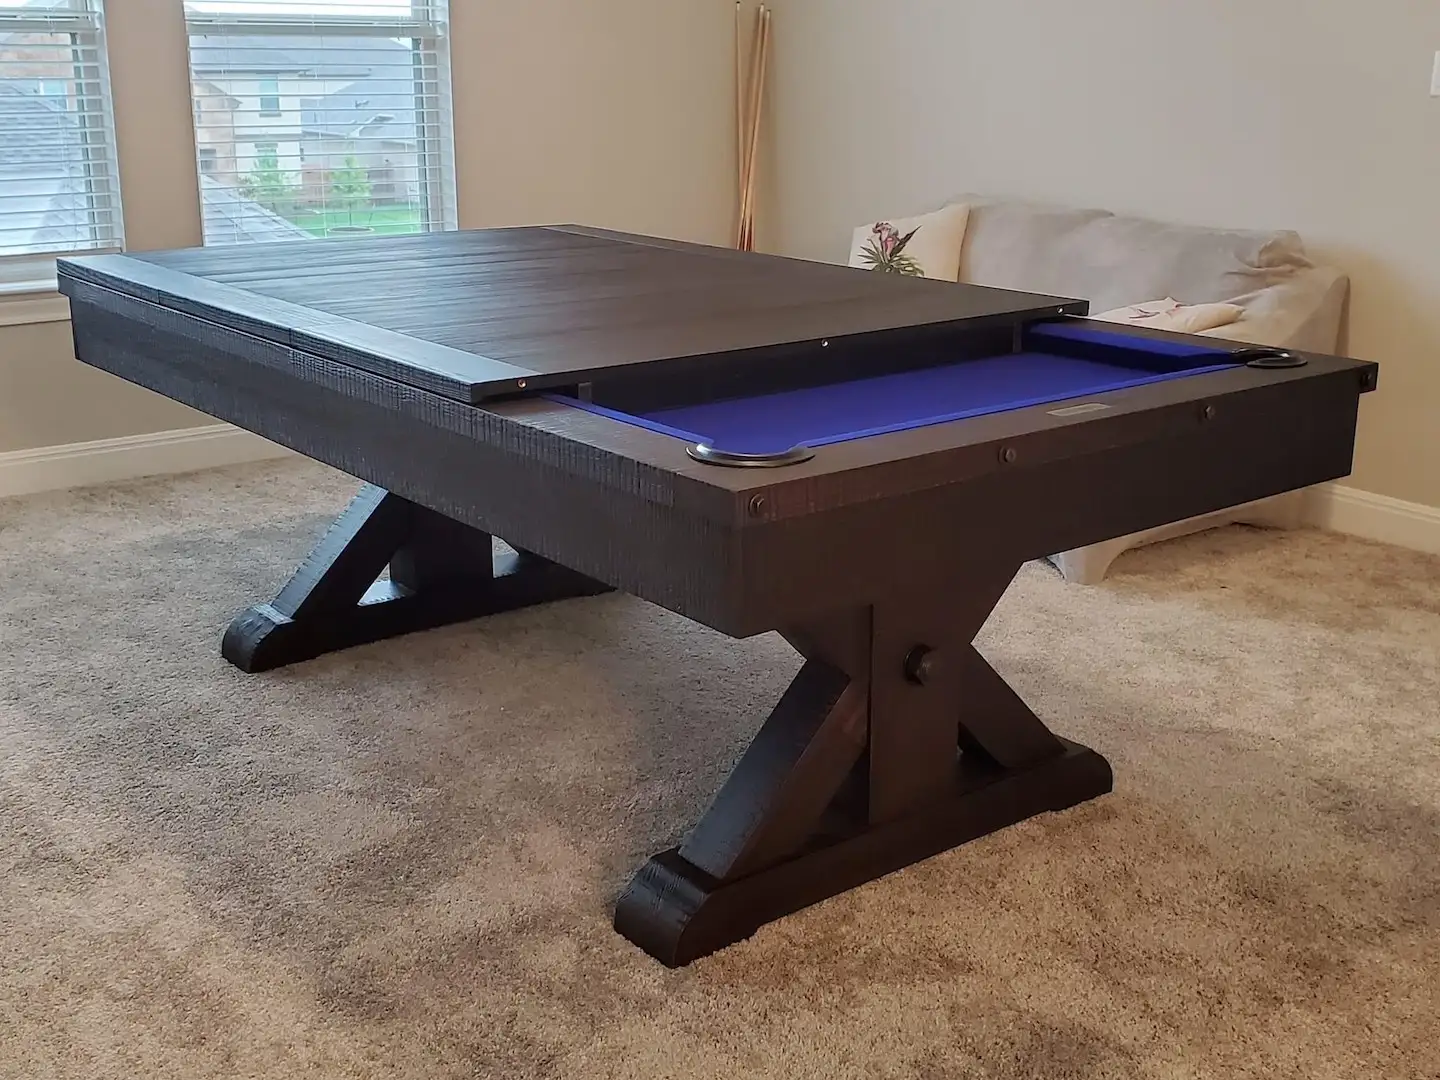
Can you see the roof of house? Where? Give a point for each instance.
(33, 129)
(378, 104)
(230, 218)
(328, 57)
(42, 172)
(378, 107)
(42, 166)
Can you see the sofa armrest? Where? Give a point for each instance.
(1302, 312)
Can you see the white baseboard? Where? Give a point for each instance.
(1375, 517)
(51, 468)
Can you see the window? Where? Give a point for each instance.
(359, 142)
(269, 97)
(52, 88)
(59, 188)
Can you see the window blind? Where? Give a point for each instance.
(317, 118)
(59, 188)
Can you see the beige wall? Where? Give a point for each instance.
(46, 397)
(617, 114)
(1307, 114)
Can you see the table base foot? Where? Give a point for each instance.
(896, 741)
(677, 913)
(441, 572)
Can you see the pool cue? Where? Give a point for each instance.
(745, 94)
(739, 126)
(758, 128)
(757, 98)
(757, 101)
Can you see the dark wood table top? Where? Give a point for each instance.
(477, 314)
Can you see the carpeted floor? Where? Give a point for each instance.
(399, 861)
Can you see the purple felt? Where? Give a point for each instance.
(820, 415)
(1114, 339)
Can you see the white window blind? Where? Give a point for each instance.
(59, 188)
(318, 118)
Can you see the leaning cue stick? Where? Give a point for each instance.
(740, 121)
(751, 89)
(759, 130)
(757, 111)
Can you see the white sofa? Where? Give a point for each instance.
(1114, 261)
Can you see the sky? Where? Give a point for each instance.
(352, 8)
(293, 8)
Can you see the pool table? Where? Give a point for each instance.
(857, 461)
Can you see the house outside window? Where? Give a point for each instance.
(326, 117)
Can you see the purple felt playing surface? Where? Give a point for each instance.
(820, 415)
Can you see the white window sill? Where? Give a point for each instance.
(26, 286)
(29, 292)
(23, 303)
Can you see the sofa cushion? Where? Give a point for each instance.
(926, 246)
(1113, 261)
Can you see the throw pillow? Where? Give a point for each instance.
(1170, 314)
(925, 246)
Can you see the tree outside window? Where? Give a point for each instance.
(350, 185)
(333, 115)
(269, 185)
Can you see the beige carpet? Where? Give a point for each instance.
(399, 861)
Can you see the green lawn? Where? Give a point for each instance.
(383, 220)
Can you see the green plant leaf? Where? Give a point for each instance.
(905, 265)
(900, 244)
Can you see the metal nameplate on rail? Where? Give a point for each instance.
(1079, 410)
